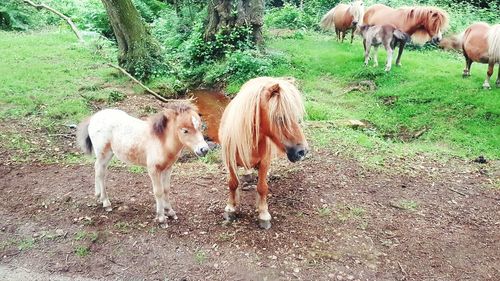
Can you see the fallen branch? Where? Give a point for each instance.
(61, 15)
(405, 275)
(459, 192)
(158, 96)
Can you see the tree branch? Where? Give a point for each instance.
(61, 15)
(158, 96)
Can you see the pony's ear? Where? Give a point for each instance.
(273, 90)
(159, 123)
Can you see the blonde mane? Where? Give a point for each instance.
(239, 132)
(494, 43)
(357, 11)
(431, 23)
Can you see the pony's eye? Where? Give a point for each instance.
(184, 130)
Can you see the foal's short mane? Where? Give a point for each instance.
(159, 121)
(240, 129)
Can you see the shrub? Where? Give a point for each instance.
(289, 16)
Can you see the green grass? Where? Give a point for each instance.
(26, 244)
(82, 251)
(409, 205)
(429, 92)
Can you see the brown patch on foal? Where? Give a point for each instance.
(106, 149)
(159, 125)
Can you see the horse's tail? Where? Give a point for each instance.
(402, 36)
(494, 43)
(328, 20)
(83, 138)
(453, 42)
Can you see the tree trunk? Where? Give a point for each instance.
(228, 14)
(140, 53)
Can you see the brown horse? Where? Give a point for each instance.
(421, 23)
(481, 43)
(343, 18)
(264, 116)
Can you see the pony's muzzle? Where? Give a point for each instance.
(296, 153)
(202, 150)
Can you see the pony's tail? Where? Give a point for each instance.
(453, 43)
(327, 21)
(402, 36)
(494, 43)
(83, 138)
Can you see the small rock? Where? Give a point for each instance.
(350, 277)
(340, 277)
(216, 265)
(60, 232)
(296, 270)
(273, 257)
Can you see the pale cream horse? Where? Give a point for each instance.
(156, 144)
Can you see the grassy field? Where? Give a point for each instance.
(48, 80)
(427, 94)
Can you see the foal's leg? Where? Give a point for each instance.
(262, 190)
(165, 178)
(155, 175)
(486, 84)
(375, 56)
(101, 164)
(233, 200)
(389, 58)
(400, 52)
(367, 52)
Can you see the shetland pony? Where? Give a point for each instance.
(343, 18)
(155, 144)
(421, 23)
(264, 117)
(376, 35)
(480, 42)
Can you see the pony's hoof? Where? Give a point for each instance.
(161, 219)
(171, 214)
(264, 224)
(399, 64)
(229, 216)
(387, 69)
(163, 225)
(108, 209)
(498, 83)
(465, 75)
(486, 87)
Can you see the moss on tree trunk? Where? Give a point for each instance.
(228, 14)
(140, 53)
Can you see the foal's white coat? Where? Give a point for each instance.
(155, 144)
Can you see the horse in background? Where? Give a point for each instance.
(421, 23)
(480, 42)
(386, 35)
(263, 118)
(156, 144)
(343, 18)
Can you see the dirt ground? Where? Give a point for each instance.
(333, 219)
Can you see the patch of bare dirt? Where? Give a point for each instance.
(333, 219)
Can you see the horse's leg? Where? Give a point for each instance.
(400, 52)
(498, 78)
(468, 63)
(101, 164)
(230, 210)
(165, 179)
(262, 190)
(343, 36)
(389, 57)
(352, 34)
(337, 32)
(375, 56)
(158, 192)
(486, 84)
